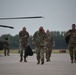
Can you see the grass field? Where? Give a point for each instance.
(16, 51)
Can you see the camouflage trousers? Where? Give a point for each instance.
(72, 51)
(22, 48)
(48, 52)
(6, 50)
(40, 53)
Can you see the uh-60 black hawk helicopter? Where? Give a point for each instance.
(5, 26)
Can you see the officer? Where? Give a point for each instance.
(49, 45)
(23, 42)
(39, 40)
(6, 47)
(72, 43)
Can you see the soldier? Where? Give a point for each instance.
(23, 43)
(6, 47)
(72, 42)
(39, 40)
(49, 45)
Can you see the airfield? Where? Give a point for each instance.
(60, 65)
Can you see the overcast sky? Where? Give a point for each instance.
(59, 15)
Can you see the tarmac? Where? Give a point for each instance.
(59, 65)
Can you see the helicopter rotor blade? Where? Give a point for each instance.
(7, 26)
(22, 18)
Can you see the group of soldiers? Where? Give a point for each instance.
(44, 43)
(41, 39)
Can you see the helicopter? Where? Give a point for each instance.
(6, 26)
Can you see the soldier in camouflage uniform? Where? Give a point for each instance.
(23, 42)
(49, 45)
(72, 43)
(39, 40)
(6, 47)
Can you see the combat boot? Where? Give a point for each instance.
(38, 62)
(25, 60)
(75, 61)
(5, 54)
(21, 59)
(75, 58)
(8, 54)
(47, 60)
(71, 61)
(42, 62)
(72, 58)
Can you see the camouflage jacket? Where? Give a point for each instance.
(72, 35)
(39, 38)
(49, 40)
(23, 37)
(6, 43)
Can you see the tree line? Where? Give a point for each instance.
(59, 39)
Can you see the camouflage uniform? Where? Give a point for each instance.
(23, 42)
(39, 39)
(49, 45)
(72, 44)
(6, 47)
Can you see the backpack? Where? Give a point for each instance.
(67, 38)
(28, 51)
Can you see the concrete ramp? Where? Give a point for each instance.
(59, 65)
